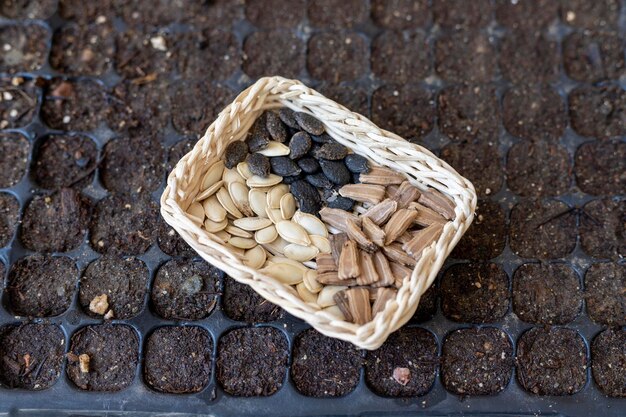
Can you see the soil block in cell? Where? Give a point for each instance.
(546, 293)
(240, 302)
(337, 56)
(601, 167)
(14, 150)
(55, 222)
(476, 361)
(527, 57)
(479, 162)
(211, 54)
(407, 110)
(608, 362)
(533, 112)
(273, 52)
(586, 14)
(527, 14)
(427, 306)
(400, 57)
(602, 228)
(337, 14)
(605, 286)
(41, 285)
(352, 97)
(171, 243)
(124, 224)
(29, 9)
(18, 102)
(83, 49)
(139, 54)
(487, 236)
(544, 229)
(452, 14)
(323, 366)
(408, 349)
(475, 293)
(400, 14)
(538, 168)
(551, 361)
(593, 57)
(139, 105)
(598, 111)
(133, 164)
(73, 105)
(252, 361)
(184, 289)
(65, 161)
(32, 355)
(109, 354)
(123, 281)
(85, 11)
(270, 14)
(9, 214)
(24, 47)
(177, 360)
(465, 56)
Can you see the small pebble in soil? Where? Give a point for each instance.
(336, 171)
(357, 163)
(307, 197)
(284, 166)
(235, 152)
(309, 123)
(333, 151)
(299, 145)
(258, 164)
(275, 127)
(319, 180)
(308, 165)
(287, 116)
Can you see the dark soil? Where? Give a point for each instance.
(526, 15)
(211, 54)
(427, 306)
(527, 57)
(139, 105)
(32, 355)
(41, 285)
(185, 289)
(476, 361)
(135, 57)
(252, 361)
(475, 293)
(486, 237)
(533, 112)
(337, 56)
(83, 49)
(56, 222)
(24, 47)
(178, 360)
(242, 303)
(603, 230)
(546, 293)
(270, 14)
(337, 14)
(85, 12)
(406, 110)
(324, 367)
(9, 215)
(18, 103)
(124, 224)
(608, 353)
(601, 167)
(598, 111)
(65, 161)
(551, 361)
(353, 97)
(171, 243)
(274, 52)
(73, 105)
(605, 284)
(400, 14)
(123, 280)
(27, 9)
(543, 229)
(133, 164)
(590, 15)
(412, 348)
(538, 168)
(465, 56)
(113, 355)
(479, 162)
(399, 57)
(451, 14)
(14, 151)
(593, 57)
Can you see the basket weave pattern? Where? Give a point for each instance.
(354, 131)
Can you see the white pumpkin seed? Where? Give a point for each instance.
(310, 281)
(274, 215)
(239, 194)
(224, 198)
(283, 260)
(236, 231)
(301, 253)
(258, 202)
(213, 174)
(209, 191)
(213, 210)
(257, 181)
(242, 242)
(287, 206)
(321, 243)
(215, 227)
(306, 295)
(252, 223)
(231, 175)
(277, 246)
(310, 223)
(275, 149)
(325, 298)
(223, 234)
(334, 311)
(285, 273)
(255, 257)
(293, 232)
(275, 194)
(238, 252)
(266, 235)
(196, 210)
(244, 170)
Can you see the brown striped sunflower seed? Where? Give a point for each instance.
(383, 295)
(438, 202)
(398, 224)
(368, 269)
(395, 253)
(406, 194)
(373, 232)
(356, 234)
(365, 193)
(332, 278)
(385, 275)
(341, 300)
(382, 176)
(381, 211)
(400, 272)
(359, 304)
(349, 261)
(336, 244)
(337, 218)
(426, 216)
(422, 239)
(325, 263)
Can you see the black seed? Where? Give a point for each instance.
(356, 178)
(258, 164)
(258, 137)
(342, 203)
(235, 152)
(357, 163)
(333, 151)
(309, 123)
(319, 181)
(308, 165)
(307, 196)
(299, 145)
(275, 127)
(283, 166)
(323, 138)
(292, 179)
(335, 171)
(287, 116)
(315, 148)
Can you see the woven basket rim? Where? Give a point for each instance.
(421, 167)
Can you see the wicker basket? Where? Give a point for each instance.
(354, 131)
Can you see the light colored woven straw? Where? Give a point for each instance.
(420, 166)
